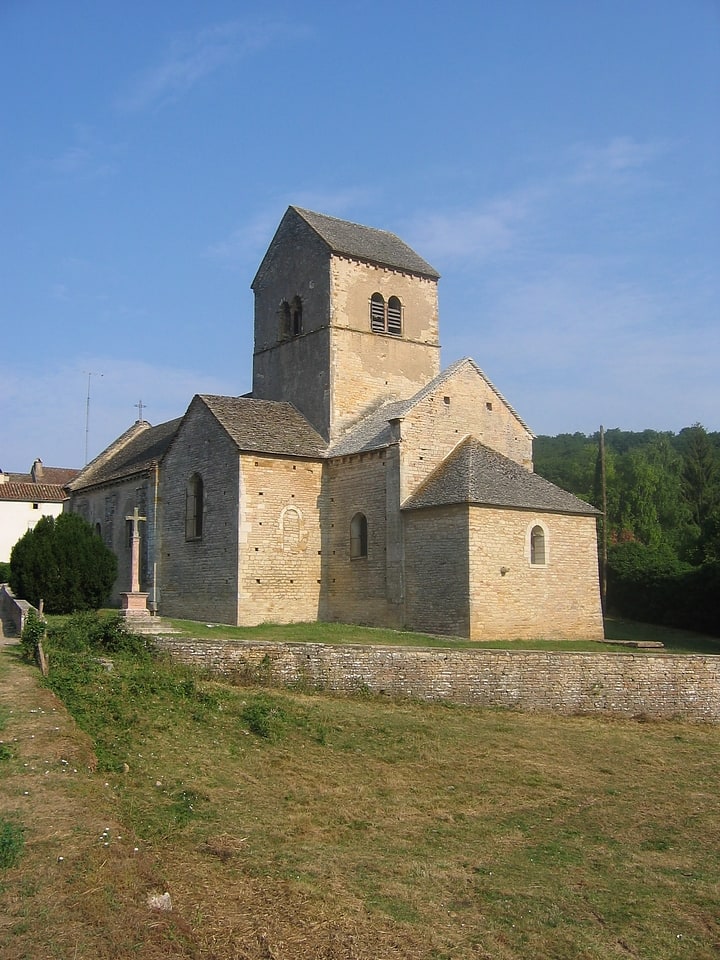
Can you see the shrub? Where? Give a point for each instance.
(652, 585)
(32, 634)
(63, 562)
(89, 631)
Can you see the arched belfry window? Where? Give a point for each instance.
(538, 552)
(358, 536)
(377, 313)
(394, 317)
(385, 317)
(194, 508)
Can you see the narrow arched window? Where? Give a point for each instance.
(284, 317)
(358, 536)
(377, 313)
(194, 508)
(537, 545)
(394, 317)
(296, 317)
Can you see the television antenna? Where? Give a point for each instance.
(87, 412)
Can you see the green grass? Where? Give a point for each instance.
(12, 840)
(675, 641)
(421, 830)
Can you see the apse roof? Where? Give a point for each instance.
(475, 474)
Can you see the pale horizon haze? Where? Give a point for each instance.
(557, 162)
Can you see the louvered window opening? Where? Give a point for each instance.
(394, 317)
(377, 314)
(385, 318)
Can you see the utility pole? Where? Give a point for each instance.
(604, 545)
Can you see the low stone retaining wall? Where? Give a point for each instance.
(12, 610)
(615, 684)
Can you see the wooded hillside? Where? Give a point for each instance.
(663, 517)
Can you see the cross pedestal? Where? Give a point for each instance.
(134, 603)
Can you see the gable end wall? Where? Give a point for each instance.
(280, 543)
(433, 427)
(199, 578)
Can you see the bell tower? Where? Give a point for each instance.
(346, 317)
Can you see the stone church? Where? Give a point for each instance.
(358, 482)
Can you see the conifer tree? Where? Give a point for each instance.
(63, 562)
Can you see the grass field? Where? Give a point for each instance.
(674, 641)
(288, 825)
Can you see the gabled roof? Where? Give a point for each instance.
(373, 431)
(475, 474)
(265, 426)
(29, 492)
(358, 242)
(56, 476)
(137, 450)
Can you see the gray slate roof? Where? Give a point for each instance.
(266, 426)
(373, 431)
(366, 243)
(141, 452)
(475, 474)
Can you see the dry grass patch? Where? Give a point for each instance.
(289, 825)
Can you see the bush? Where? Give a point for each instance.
(650, 584)
(88, 631)
(32, 634)
(63, 562)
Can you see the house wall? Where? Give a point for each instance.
(17, 517)
(358, 590)
(434, 426)
(560, 599)
(280, 542)
(368, 368)
(106, 508)
(436, 570)
(199, 578)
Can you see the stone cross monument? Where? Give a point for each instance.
(134, 603)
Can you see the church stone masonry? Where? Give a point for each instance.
(357, 482)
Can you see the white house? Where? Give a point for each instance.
(26, 497)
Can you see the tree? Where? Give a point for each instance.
(63, 562)
(701, 472)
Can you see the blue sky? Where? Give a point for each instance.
(556, 160)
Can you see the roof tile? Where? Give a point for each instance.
(33, 492)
